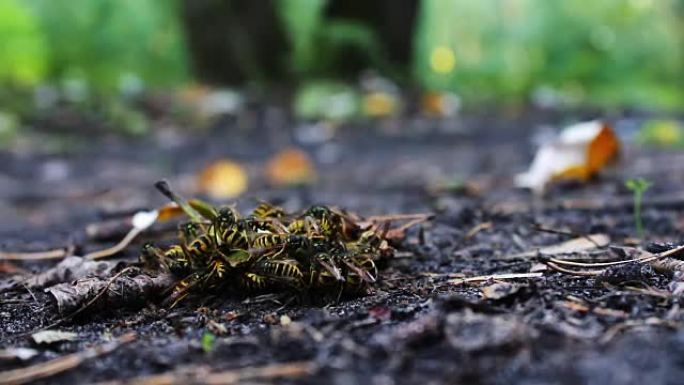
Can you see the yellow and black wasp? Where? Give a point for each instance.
(320, 250)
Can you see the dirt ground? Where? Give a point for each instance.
(420, 324)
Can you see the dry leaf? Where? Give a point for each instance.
(69, 269)
(579, 153)
(17, 353)
(52, 336)
(577, 245)
(499, 290)
(290, 167)
(169, 211)
(223, 179)
(113, 293)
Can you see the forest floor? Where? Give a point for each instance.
(421, 323)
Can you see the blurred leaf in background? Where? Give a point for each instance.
(615, 51)
(610, 52)
(480, 49)
(302, 20)
(22, 44)
(109, 42)
(327, 100)
(661, 132)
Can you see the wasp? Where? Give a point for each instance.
(267, 274)
(333, 222)
(318, 250)
(267, 210)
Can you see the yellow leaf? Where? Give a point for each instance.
(223, 179)
(290, 167)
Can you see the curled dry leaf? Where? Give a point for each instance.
(290, 167)
(223, 179)
(579, 153)
(69, 269)
(124, 291)
(168, 212)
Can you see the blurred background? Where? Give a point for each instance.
(607, 53)
(265, 92)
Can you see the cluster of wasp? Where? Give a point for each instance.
(321, 249)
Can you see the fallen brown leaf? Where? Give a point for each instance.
(223, 179)
(290, 167)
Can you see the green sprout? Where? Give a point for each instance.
(208, 340)
(638, 186)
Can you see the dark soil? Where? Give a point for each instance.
(416, 326)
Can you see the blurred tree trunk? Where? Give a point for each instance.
(393, 21)
(232, 41)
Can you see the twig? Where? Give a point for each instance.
(134, 232)
(400, 217)
(60, 364)
(597, 264)
(477, 228)
(650, 291)
(458, 281)
(200, 375)
(580, 307)
(410, 224)
(573, 272)
(33, 256)
(616, 329)
(669, 264)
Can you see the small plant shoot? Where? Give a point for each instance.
(638, 186)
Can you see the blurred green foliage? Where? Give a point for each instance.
(608, 52)
(661, 133)
(22, 44)
(327, 100)
(569, 52)
(317, 42)
(106, 42)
